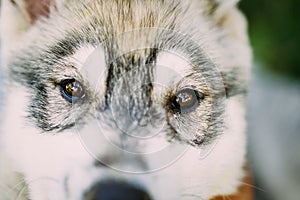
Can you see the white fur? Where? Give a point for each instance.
(172, 67)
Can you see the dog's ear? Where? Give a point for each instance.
(235, 49)
(17, 16)
(33, 9)
(227, 16)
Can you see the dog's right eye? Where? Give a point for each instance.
(185, 100)
(72, 90)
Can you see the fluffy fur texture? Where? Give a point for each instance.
(131, 58)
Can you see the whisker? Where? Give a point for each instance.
(253, 186)
(191, 195)
(25, 184)
(21, 192)
(228, 197)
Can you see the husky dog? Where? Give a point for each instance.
(131, 100)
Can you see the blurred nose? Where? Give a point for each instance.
(116, 191)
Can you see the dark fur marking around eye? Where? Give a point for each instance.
(37, 108)
(39, 111)
(65, 47)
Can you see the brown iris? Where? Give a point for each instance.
(72, 90)
(186, 100)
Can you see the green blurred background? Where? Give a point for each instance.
(274, 28)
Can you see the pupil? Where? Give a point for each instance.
(175, 105)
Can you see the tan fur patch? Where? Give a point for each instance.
(245, 191)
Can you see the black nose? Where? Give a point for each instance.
(116, 191)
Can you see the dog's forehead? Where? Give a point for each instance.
(132, 39)
(149, 66)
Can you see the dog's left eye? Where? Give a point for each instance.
(72, 90)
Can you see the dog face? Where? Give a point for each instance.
(124, 100)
